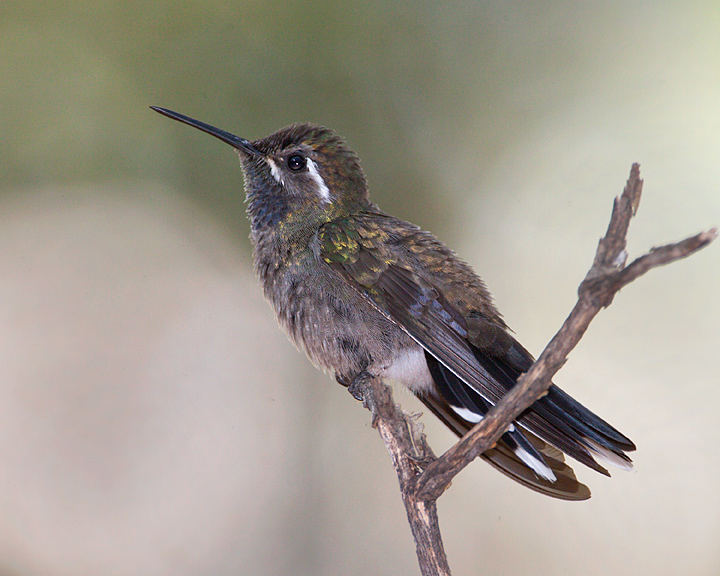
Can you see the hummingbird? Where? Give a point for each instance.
(366, 294)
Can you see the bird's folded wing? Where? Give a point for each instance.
(484, 358)
(362, 256)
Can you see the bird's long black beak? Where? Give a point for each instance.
(234, 141)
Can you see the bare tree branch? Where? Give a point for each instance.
(409, 452)
(423, 477)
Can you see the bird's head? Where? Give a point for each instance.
(301, 175)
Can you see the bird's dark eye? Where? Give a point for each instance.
(296, 162)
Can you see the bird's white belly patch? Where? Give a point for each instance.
(410, 369)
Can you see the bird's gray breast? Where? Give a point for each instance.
(339, 328)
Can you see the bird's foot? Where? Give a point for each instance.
(358, 385)
(361, 388)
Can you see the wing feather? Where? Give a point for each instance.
(483, 357)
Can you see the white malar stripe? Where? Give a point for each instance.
(540, 468)
(323, 190)
(274, 170)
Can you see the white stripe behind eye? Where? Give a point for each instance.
(323, 190)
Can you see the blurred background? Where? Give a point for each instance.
(153, 418)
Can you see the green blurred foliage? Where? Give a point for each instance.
(411, 85)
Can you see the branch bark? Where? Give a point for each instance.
(423, 477)
(410, 453)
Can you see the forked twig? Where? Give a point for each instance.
(424, 477)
